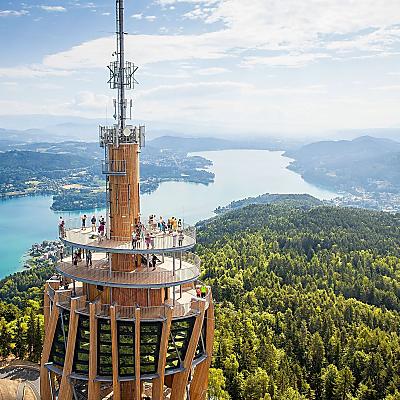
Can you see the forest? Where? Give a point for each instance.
(307, 303)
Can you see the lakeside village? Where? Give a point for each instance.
(380, 201)
(48, 251)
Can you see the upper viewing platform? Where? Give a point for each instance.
(151, 240)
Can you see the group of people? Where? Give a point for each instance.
(172, 224)
(78, 256)
(201, 291)
(172, 227)
(100, 228)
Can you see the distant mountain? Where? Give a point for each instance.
(363, 164)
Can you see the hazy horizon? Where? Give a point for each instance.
(210, 67)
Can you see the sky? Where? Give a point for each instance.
(215, 67)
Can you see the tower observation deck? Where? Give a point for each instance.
(126, 316)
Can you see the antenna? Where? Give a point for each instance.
(121, 78)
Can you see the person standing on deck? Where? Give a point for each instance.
(61, 228)
(134, 239)
(93, 221)
(203, 291)
(174, 237)
(88, 258)
(180, 239)
(84, 221)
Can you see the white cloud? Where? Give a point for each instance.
(137, 16)
(211, 71)
(53, 8)
(90, 100)
(106, 13)
(32, 71)
(151, 18)
(13, 13)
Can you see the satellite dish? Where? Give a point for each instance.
(126, 132)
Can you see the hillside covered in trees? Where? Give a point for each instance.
(308, 303)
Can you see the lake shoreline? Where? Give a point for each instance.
(238, 174)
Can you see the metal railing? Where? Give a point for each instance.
(99, 275)
(74, 232)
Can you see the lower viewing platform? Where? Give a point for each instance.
(168, 271)
(183, 304)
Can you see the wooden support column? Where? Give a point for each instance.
(180, 380)
(114, 350)
(45, 391)
(46, 306)
(199, 384)
(93, 386)
(138, 387)
(158, 383)
(65, 387)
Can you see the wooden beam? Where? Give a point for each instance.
(65, 386)
(93, 386)
(199, 384)
(181, 379)
(158, 383)
(114, 350)
(138, 387)
(45, 391)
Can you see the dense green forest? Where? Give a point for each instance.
(21, 313)
(308, 303)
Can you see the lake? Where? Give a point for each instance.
(238, 174)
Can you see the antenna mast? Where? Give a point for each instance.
(121, 64)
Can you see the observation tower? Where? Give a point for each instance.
(125, 315)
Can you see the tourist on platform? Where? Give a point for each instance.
(174, 238)
(203, 291)
(198, 291)
(147, 239)
(134, 239)
(160, 224)
(93, 221)
(154, 260)
(101, 228)
(84, 221)
(164, 226)
(79, 255)
(152, 238)
(75, 258)
(88, 258)
(179, 224)
(61, 253)
(61, 227)
(174, 223)
(180, 239)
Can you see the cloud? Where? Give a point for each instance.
(13, 13)
(53, 8)
(211, 71)
(137, 16)
(151, 18)
(32, 71)
(90, 100)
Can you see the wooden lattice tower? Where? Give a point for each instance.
(125, 321)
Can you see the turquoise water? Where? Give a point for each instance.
(238, 174)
